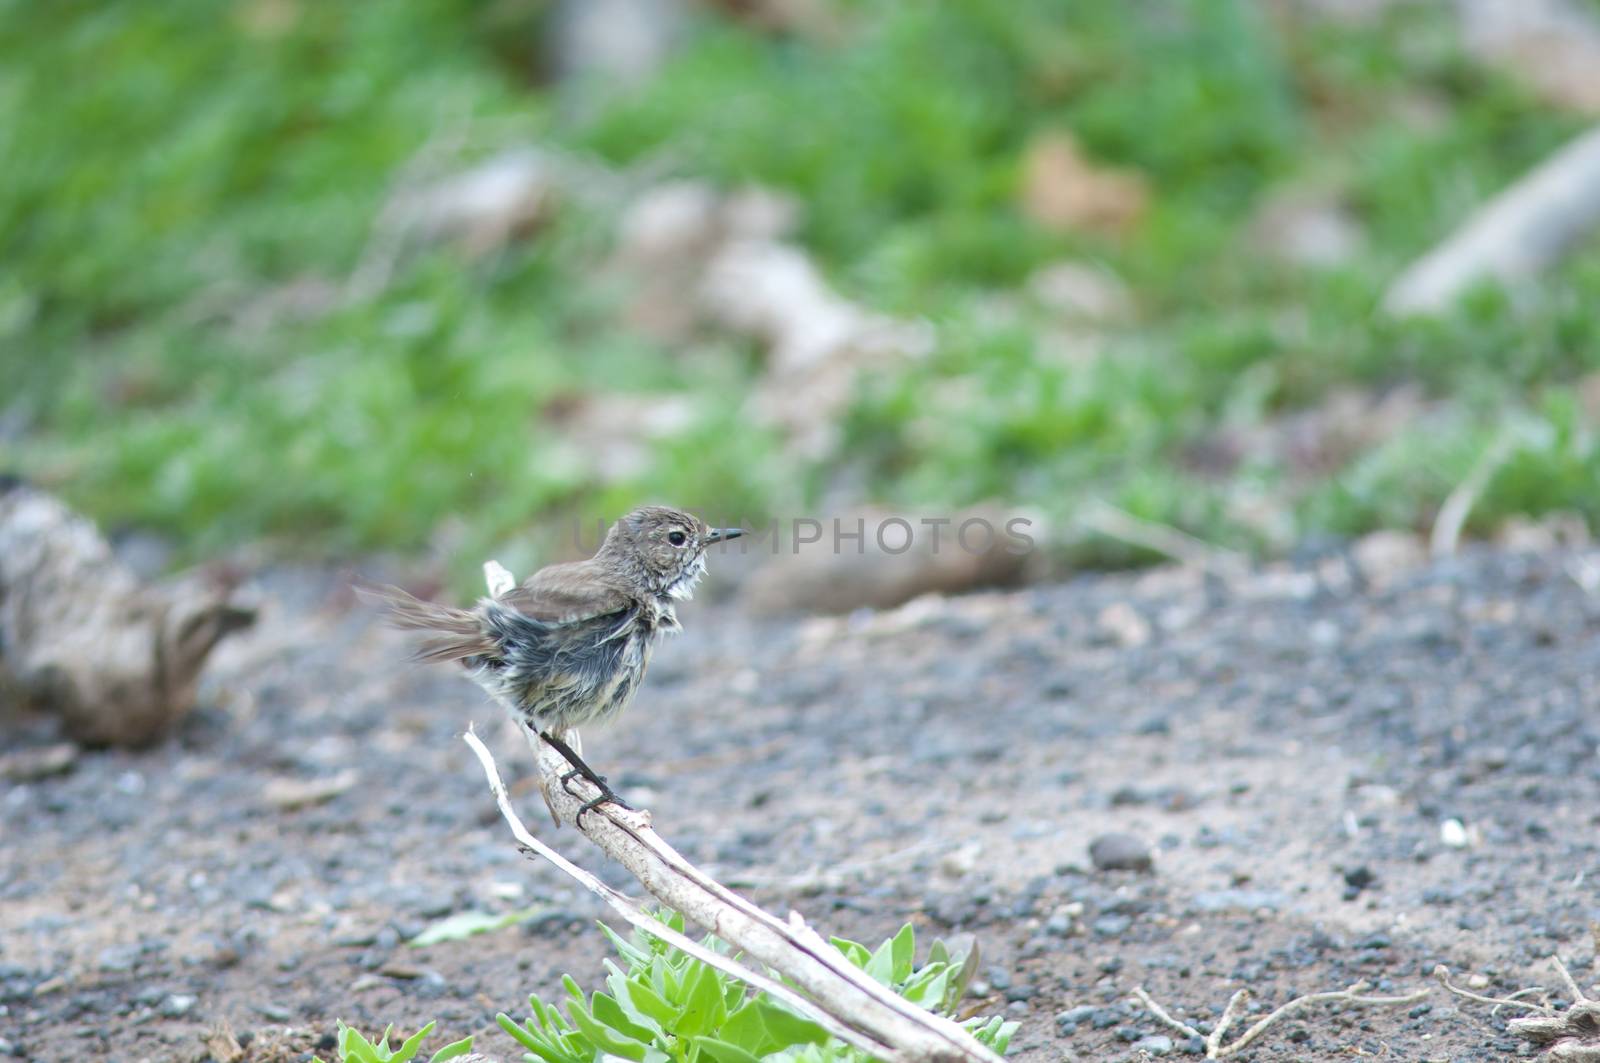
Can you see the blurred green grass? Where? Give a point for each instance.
(173, 169)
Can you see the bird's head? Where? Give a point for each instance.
(661, 550)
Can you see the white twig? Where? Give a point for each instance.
(1566, 978)
(1514, 237)
(1161, 1015)
(1446, 534)
(1215, 1049)
(825, 985)
(1214, 1042)
(642, 920)
(1113, 523)
(1350, 995)
(1441, 974)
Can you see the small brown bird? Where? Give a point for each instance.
(570, 645)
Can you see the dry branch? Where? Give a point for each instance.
(828, 988)
(1215, 1049)
(1441, 974)
(1571, 1035)
(1105, 519)
(1513, 238)
(1452, 517)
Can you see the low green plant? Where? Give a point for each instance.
(354, 1048)
(661, 1005)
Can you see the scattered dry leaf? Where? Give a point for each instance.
(1063, 190)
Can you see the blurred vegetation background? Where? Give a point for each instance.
(1144, 244)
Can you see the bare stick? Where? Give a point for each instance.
(1458, 504)
(1214, 1042)
(637, 917)
(1180, 546)
(1350, 995)
(1566, 977)
(1161, 1013)
(827, 986)
(1519, 233)
(1441, 973)
(1215, 1049)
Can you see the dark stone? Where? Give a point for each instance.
(1120, 852)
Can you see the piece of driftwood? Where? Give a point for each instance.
(82, 637)
(1513, 237)
(822, 984)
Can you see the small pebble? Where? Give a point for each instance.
(177, 1004)
(1081, 1013)
(1120, 852)
(1100, 1018)
(119, 958)
(1110, 926)
(1156, 1044)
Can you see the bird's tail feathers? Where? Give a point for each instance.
(453, 634)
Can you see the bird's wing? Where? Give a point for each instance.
(566, 594)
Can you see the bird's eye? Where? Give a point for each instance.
(677, 538)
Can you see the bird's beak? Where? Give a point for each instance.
(717, 535)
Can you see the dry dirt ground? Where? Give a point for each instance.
(1287, 744)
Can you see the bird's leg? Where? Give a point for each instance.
(580, 768)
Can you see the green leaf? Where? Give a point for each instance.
(608, 1011)
(550, 1049)
(723, 1052)
(786, 1027)
(929, 992)
(938, 952)
(412, 1045)
(855, 952)
(880, 965)
(548, 1018)
(648, 1004)
(628, 950)
(664, 980)
(615, 1042)
(466, 924)
(354, 1048)
(746, 1029)
(704, 1009)
(452, 1050)
(958, 985)
(903, 948)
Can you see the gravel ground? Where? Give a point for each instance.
(1288, 749)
